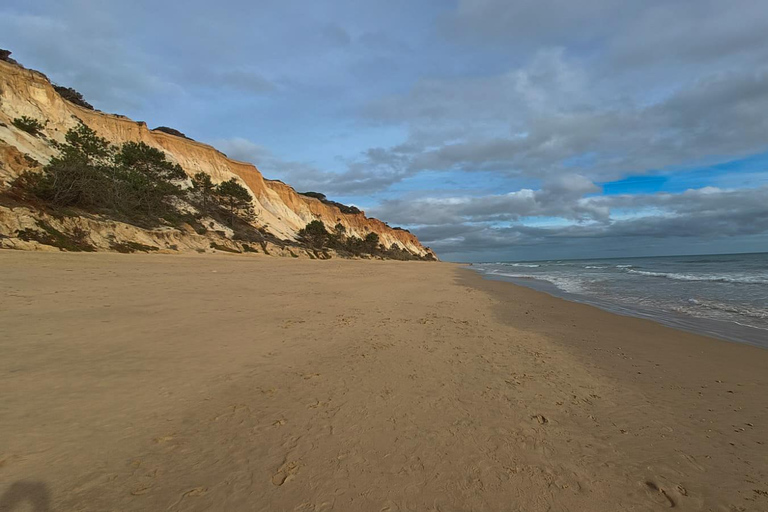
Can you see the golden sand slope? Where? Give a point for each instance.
(151, 382)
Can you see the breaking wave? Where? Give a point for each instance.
(713, 278)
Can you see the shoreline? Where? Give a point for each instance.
(204, 382)
(727, 331)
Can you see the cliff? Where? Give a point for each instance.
(280, 210)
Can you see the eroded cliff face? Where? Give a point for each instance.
(279, 208)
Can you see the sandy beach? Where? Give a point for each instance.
(232, 383)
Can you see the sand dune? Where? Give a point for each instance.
(155, 382)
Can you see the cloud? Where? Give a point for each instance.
(553, 125)
(469, 225)
(374, 170)
(525, 106)
(560, 197)
(88, 53)
(531, 23)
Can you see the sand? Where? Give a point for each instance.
(161, 382)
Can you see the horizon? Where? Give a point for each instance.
(626, 257)
(492, 130)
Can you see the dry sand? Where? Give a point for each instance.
(228, 383)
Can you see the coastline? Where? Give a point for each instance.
(143, 382)
(723, 330)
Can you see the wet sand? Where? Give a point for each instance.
(159, 382)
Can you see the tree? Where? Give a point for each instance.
(371, 243)
(314, 234)
(151, 161)
(135, 182)
(201, 182)
(236, 199)
(29, 124)
(82, 142)
(78, 175)
(144, 180)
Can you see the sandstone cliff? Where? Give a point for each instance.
(279, 209)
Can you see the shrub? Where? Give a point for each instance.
(72, 96)
(371, 243)
(6, 56)
(316, 195)
(314, 235)
(29, 125)
(170, 131)
(135, 182)
(48, 235)
(129, 247)
(342, 207)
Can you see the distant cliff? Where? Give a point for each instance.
(280, 212)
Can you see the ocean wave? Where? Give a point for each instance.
(739, 309)
(594, 266)
(624, 266)
(570, 285)
(729, 261)
(527, 265)
(713, 278)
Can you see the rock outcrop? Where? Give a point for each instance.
(280, 210)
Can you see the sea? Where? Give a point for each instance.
(724, 296)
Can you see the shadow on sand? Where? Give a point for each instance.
(18, 494)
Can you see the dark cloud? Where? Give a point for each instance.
(704, 214)
(560, 197)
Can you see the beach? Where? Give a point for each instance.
(227, 382)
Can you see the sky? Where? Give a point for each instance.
(493, 129)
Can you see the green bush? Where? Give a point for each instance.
(170, 131)
(314, 235)
(48, 235)
(129, 247)
(135, 182)
(352, 210)
(29, 125)
(72, 96)
(371, 243)
(236, 199)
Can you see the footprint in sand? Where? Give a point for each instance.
(193, 493)
(286, 473)
(655, 488)
(142, 489)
